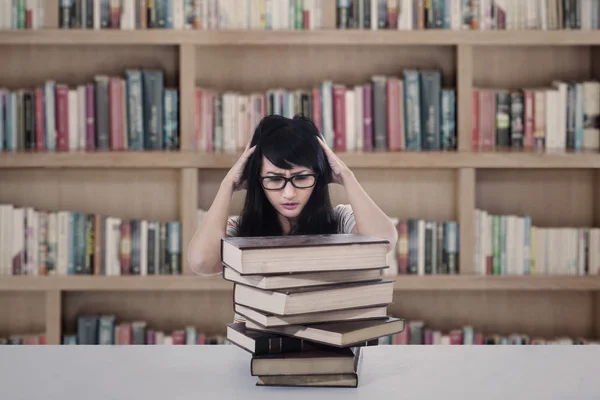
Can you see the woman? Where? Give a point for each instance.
(286, 169)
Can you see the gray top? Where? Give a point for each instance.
(160, 372)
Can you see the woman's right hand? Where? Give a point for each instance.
(234, 176)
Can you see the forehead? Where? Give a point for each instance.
(267, 166)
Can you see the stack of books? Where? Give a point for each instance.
(310, 303)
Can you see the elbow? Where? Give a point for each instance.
(200, 266)
(392, 237)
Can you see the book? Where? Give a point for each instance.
(315, 299)
(339, 334)
(287, 281)
(260, 343)
(329, 380)
(316, 362)
(269, 320)
(303, 253)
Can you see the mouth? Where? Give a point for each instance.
(290, 206)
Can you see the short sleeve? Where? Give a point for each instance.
(232, 227)
(345, 217)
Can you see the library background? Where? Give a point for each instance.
(474, 124)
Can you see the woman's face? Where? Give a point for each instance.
(289, 200)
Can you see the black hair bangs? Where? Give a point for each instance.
(291, 146)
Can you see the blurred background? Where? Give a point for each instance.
(473, 124)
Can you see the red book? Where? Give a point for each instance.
(124, 333)
(62, 117)
(475, 121)
(339, 117)
(40, 126)
(394, 117)
(116, 114)
(456, 336)
(178, 337)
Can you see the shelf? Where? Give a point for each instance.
(324, 37)
(217, 284)
(192, 159)
(114, 283)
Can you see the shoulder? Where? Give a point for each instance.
(232, 227)
(344, 215)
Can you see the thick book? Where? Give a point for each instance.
(329, 380)
(317, 298)
(269, 320)
(263, 343)
(316, 362)
(303, 253)
(338, 334)
(287, 281)
(260, 343)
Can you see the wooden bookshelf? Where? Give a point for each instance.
(374, 160)
(557, 189)
(217, 284)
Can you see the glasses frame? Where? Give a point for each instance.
(290, 180)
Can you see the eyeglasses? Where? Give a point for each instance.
(303, 181)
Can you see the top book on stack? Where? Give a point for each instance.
(303, 253)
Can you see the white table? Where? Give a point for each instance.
(223, 372)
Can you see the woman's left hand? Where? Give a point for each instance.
(339, 170)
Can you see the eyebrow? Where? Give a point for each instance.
(281, 174)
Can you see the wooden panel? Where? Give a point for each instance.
(147, 194)
(227, 68)
(22, 313)
(53, 316)
(399, 193)
(188, 192)
(209, 182)
(464, 96)
(545, 314)
(208, 311)
(30, 66)
(551, 197)
(187, 96)
(518, 67)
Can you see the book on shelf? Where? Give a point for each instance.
(338, 317)
(21, 15)
(511, 244)
(458, 15)
(111, 113)
(107, 329)
(190, 14)
(23, 339)
(411, 111)
(563, 115)
(38, 242)
(418, 332)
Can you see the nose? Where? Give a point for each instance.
(289, 191)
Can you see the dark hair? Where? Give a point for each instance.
(285, 141)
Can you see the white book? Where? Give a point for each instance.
(143, 247)
(73, 120)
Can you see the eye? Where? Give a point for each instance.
(302, 177)
(274, 179)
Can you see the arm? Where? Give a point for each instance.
(204, 250)
(203, 255)
(370, 219)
